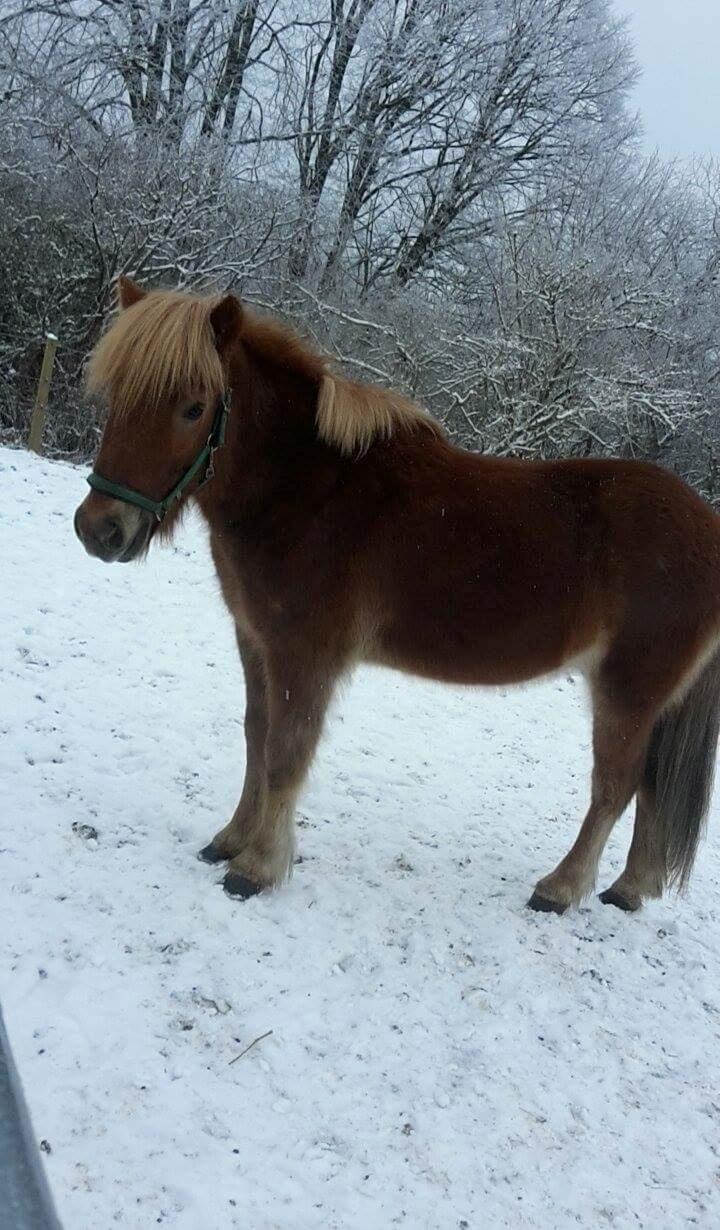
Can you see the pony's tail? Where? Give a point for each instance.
(679, 770)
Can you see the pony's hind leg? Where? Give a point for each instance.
(619, 743)
(674, 796)
(645, 871)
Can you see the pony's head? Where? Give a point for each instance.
(162, 369)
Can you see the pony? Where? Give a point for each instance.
(346, 528)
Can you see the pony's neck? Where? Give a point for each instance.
(272, 447)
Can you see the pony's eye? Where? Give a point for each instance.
(193, 413)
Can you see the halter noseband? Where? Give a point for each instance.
(205, 458)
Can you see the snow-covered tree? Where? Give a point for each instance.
(449, 193)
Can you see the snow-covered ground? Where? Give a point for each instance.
(440, 1057)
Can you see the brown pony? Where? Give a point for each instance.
(345, 528)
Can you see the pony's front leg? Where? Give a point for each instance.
(298, 694)
(232, 839)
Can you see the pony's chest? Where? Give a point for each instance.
(264, 586)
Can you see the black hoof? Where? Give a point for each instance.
(545, 906)
(211, 854)
(239, 886)
(611, 897)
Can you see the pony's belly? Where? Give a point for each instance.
(485, 659)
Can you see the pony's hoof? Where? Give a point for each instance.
(211, 854)
(612, 897)
(544, 905)
(239, 886)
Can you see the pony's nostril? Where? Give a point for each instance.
(110, 534)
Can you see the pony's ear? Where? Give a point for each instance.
(128, 292)
(226, 319)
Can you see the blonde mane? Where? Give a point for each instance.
(160, 348)
(350, 416)
(163, 347)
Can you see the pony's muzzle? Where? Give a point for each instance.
(112, 531)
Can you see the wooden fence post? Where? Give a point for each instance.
(37, 422)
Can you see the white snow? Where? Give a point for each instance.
(440, 1057)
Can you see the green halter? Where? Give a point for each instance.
(204, 458)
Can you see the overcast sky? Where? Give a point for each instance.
(678, 48)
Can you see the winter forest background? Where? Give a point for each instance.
(450, 195)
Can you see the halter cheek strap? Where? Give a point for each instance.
(203, 465)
